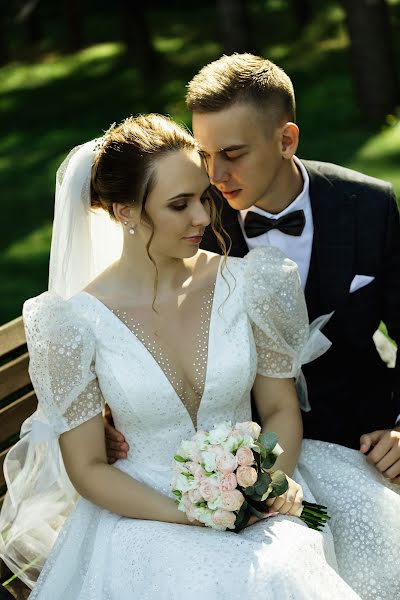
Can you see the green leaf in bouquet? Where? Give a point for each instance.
(242, 518)
(255, 512)
(268, 440)
(180, 458)
(259, 448)
(188, 476)
(177, 493)
(279, 483)
(262, 484)
(267, 493)
(269, 461)
(250, 490)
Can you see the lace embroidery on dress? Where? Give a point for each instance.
(87, 404)
(189, 390)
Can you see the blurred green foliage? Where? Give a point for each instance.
(51, 100)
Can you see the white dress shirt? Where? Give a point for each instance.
(298, 248)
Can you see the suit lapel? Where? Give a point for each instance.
(331, 266)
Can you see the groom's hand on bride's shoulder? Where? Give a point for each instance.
(382, 449)
(116, 445)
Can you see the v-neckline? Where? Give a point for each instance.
(108, 310)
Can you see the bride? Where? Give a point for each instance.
(174, 339)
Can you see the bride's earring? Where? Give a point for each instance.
(131, 229)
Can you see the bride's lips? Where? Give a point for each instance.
(194, 239)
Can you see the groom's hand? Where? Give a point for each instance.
(116, 445)
(385, 453)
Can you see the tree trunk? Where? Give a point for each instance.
(302, 11)
(374, 70)
(74, 25)
(235, 26)
(137, 36)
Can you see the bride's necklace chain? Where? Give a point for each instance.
(191, 396)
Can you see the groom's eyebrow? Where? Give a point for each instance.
(231, 148)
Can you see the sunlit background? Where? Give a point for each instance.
(71, 69)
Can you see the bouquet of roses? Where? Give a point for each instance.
(223, 476)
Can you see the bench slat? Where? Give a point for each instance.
(12, 335)
(13, 415)
(2, 457)
(14, 375)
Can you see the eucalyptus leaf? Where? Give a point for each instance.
(262, 483)
(268, 440)
(279, 483)
(269, 461)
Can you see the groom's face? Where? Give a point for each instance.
(242, 152)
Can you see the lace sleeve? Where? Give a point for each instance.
(39, 494)
(276, 306)
(62, 352)
(277, 310)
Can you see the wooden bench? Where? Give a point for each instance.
(17, 403)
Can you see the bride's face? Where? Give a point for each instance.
(178, 205)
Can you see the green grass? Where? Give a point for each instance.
(50, 105)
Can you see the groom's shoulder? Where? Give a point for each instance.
(351, 181)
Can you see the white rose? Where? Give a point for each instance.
(189, 449)
(209, 458)
(220, 433)
(249, 428)
(233, 442)
(184, 484)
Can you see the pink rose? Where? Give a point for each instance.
(228, 482)
(226, 462)
(246, 476)
(245, 457)
(208, 490)
(224, 518)
(231, 501)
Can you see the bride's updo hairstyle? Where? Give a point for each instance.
(125, 166)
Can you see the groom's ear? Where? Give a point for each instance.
(289, 139)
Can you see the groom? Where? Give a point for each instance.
(340, 227)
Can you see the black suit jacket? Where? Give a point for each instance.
(356, 232)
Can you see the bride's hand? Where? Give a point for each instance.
(289, 503)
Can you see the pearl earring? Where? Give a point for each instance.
(131, 229)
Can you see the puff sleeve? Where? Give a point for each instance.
(276, 307)
(39, 495)
(61, 347)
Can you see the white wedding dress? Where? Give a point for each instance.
(83, 354)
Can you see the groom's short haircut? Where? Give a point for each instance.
(242, 78)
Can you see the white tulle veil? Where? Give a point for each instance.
(40, 495)
(84, 241)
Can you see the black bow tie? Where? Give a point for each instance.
(291, 224)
